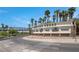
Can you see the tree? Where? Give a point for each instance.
(57, 14)
(44, 19)
(47, 14)
(60, 16)
(29, 27)
(13, 32)
(35, 22)
(66, 15)
(40, 20)
(63, 15)
(54, 18)
(2, 25)
(71, 12)
(6, 27)
(32, 21)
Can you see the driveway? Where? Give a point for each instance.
(20, 45)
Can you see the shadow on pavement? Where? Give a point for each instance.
(48, 46)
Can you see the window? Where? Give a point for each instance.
(64, 28)
(54, 24)
(41, 30)
(46, 29)
(44, 25)
(33, 30)
(36, 30)
(55, 29)
(49, 24)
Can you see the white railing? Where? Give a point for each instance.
(53, 25)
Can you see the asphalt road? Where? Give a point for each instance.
(20, 45)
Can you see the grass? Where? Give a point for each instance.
(8, 34)
(4, 34)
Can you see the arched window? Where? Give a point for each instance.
(41, 30)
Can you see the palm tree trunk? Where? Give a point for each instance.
(60, 19)
(57, 17)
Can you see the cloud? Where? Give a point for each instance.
(3, 11)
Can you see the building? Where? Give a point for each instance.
(67, 28)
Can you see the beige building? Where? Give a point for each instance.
(57, 28)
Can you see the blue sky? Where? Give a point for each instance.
(20, 16)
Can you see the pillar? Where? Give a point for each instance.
(59, 34)
(50, 35)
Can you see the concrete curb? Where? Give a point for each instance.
(53, 40)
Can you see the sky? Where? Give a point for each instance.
(21, 16)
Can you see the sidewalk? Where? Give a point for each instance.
(52, 39)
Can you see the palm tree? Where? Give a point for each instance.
(44, 19)
(63, 15)
(29, 28)
(57, 14)
(66, 15)
(35, 22)
(3, 26)
(47, 14)
(40, 20)
(54, 18)
(32, 21)
(6, 27)
(71, 12)
(60, 16)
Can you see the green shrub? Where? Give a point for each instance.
(13, 32)
(4, 33)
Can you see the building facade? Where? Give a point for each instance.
(57, 28)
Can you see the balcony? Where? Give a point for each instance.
(50, 25)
